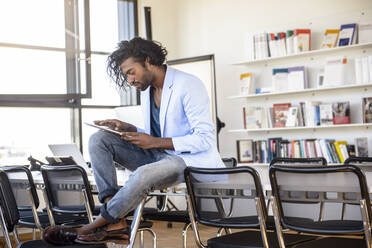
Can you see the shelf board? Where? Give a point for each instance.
(306, 54)
(311, 90)
(280, 129)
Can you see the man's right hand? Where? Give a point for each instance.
(116, 125)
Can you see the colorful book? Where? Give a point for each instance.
(341, 113)
(302, 40)
(281, 114)
(367, 109)
(347, 34)
(330, 38)
(340, 153)
(245, 84)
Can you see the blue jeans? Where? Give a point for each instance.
(152, 169)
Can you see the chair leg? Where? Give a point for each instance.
(136, 222)
(153, 235)
(33, 234)
(16, 236)
(184, 234)
(142, 245)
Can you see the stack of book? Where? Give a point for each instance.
(333, 151)
(304, 114)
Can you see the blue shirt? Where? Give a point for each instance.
(155, 124)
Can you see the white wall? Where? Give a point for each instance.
(197, 27)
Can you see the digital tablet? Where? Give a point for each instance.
(103, 128)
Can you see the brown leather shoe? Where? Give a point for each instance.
(60, 235)
(105, 234)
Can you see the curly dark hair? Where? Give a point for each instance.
(137, 48)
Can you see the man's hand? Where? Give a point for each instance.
(117, 125)
(142, 140)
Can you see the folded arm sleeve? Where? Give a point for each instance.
(196, 105)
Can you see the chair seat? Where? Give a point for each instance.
(325, 227)
(67, 219)
(334, 242)
(171, 216)
(253, 239)
(43, 244)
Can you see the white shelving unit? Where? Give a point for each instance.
(313, 61)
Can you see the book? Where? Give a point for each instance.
(302, 40)
(340, 153)
(330, 38)
(358, 70)
(254, 117)
(281, 114)
(296, 78)
(326, 115)
(341, 113)
(367, 109)
(245, 84)
(292, 117)
(347, 34)
(351, 150)
(280, 79)
(364, 33)
(335, 71)
(361, 147)
(289, 42)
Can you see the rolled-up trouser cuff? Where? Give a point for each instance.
(102, 195)
(107, 216)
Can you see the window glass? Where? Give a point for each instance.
(25, 71)
(28, 131)
(103, 25)
(36, 22)
(104, 91)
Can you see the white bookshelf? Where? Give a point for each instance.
(309, 91)
(307, 54)
(283, 129)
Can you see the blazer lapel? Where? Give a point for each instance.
(165, 97)
(145, 103)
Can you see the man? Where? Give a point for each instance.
(178, 133)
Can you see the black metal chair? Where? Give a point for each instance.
(312, 197)
(333, 181)
(209, 201)
(10, 217)
(170, 213)
(68, 191)
(27, 200)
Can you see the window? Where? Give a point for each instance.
(54, 71)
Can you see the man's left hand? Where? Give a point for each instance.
(142, 140)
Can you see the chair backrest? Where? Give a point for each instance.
(64, 187)
(357, 160)
(229, 162)
(211, 191)
(299, 161)
(21, 180)
(333, 181)
(8, 203)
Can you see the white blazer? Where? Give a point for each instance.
(185, 117)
